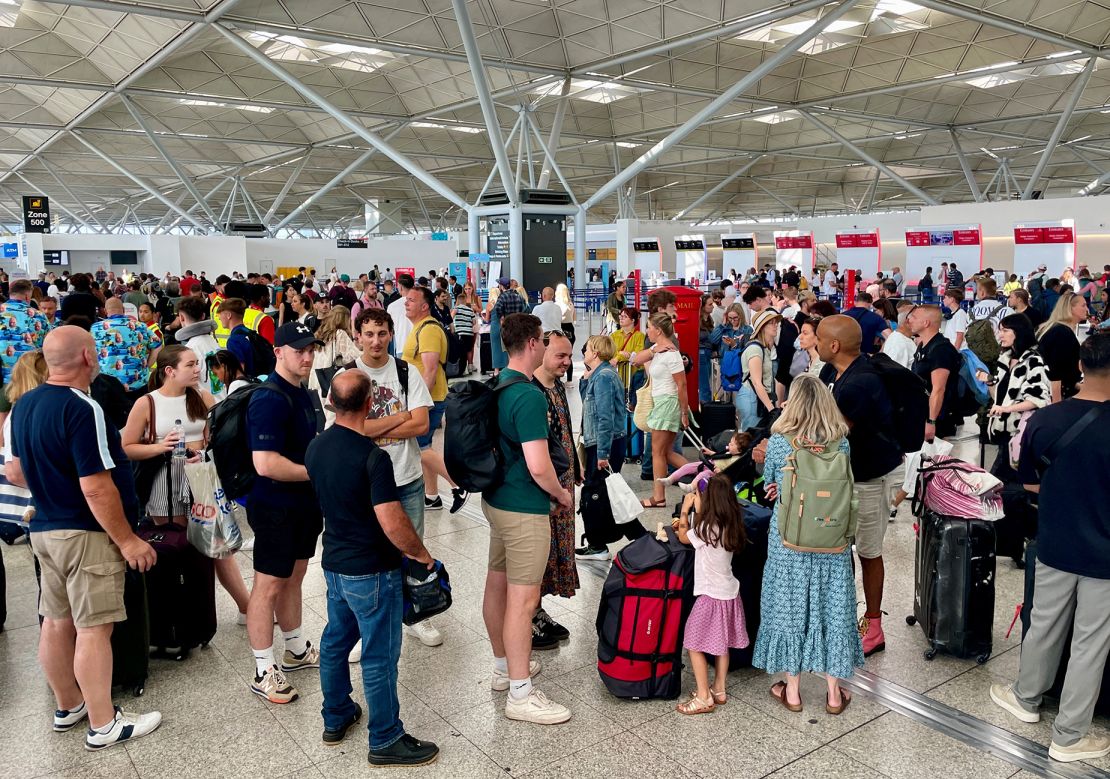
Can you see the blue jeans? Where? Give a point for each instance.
(411, 496)
(435, 419)
(704, 371)
(747, 407)
(367, 607)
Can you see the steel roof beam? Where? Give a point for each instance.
(1061, 125)
(751, 78)
(718, 187)
(972, 184)
(556, 132)
(1001, 23)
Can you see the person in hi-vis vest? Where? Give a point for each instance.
(253, 318)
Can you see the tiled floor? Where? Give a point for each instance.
(214, 727)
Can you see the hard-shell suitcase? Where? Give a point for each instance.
(715, 417)
(747, 567)
(954, 574)
(1102, 703)
(131, 638)
(485, 353)
(181, 593)
(642, 616)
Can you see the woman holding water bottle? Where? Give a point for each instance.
(170, 422)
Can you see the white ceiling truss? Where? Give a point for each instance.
(186, 114)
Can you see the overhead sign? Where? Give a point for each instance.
(794, 248)
(859, 250)
(11, 250)
(747, 242)
(793, 241)
(439, 236)
(928, 247)
(857, 240)
(1044, 243)
(36, 214)
(351, 243)
(738, 253)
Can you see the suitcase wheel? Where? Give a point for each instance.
(930, 653)
(983, 658)
(139, 689)
(911, 620)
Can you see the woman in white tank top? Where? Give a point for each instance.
(174, 396)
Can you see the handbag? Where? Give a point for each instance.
(214, 518)
(146, 471)
(644, 404)
(624, 504)
(424, 593)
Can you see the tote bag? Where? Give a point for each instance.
(213, 518)
(644, 404)
(624, 504)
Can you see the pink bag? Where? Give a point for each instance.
(1015, 439)
(954, 488)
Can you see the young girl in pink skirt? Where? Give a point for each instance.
(713, 523)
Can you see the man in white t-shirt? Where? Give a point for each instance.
(899, 345)
(396, 310)
(548, 311)
(828, 286)
(399, 412)
(955, 324)
(987, 304)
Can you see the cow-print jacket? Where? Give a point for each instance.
(1028, 381)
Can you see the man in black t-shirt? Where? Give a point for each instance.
(938, 363)
(1072, 585)
(365, 533)
(876, 458)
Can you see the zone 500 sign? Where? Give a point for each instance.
(36, 214)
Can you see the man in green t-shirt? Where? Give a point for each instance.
(519, 528)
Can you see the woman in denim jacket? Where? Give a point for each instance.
(729, 334)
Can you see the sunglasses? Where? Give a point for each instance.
(547, 336)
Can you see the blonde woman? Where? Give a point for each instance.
(339, 349)
(1058, 343)
(755, 400)
(809, 598)
(670, 405)
(28, 372)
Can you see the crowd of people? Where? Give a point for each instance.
(348, 384)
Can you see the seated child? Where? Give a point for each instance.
(710, 463)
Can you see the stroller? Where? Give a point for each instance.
(744, 472)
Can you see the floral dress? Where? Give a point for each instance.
(561, 576)
(808, 604)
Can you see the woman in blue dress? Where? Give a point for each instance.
(809, 598)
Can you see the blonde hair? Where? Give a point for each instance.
(737, 308)
(662, 322)
(562, 295)
(602, 346)
(339, 318)
(1061, 313)
(811, 414)
(29, 372)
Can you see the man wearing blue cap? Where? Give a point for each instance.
(341, 293)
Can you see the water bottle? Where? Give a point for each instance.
(179, 447)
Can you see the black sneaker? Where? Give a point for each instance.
(433, 503)
(406, 751)
(458, 499)
(550, 626)
(542, 638)
(333, 737)
(646, 477)
(589, 553)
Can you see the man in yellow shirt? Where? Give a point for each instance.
(426, 350)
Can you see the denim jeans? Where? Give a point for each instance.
(367, 607)
(747, 407)
(411, 496)
(705, 370)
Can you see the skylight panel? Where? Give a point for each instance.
(290, 48)
(775, 117)
(1021, 74)
(594, 90)
(216, 104)
(9, 12)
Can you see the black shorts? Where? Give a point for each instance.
(283, 534)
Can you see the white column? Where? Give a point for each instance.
(580, 248)
(473, 226)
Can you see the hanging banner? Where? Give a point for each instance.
(859, 250)
(928, 247)
(36, 214)
(794, 248)
(739, 253)
(1051, 244)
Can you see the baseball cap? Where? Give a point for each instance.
(296, 335)
(503, 281)
(345, 279)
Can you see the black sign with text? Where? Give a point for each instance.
(350, 243)
(36, 214)
(738, 243)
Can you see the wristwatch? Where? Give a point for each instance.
(930, 421)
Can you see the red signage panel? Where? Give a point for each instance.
(917, 239)
(847, 240)
(1025, 235)
(1059, 235)
(965, 237)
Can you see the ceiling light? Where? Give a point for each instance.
(988, 152)
(627, 145)
(775, 117)
(457, 127)
(1071, 53)
(215, 104)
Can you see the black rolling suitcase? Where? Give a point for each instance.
(131, 638)
(715, 417)
(954, 572)
(747, 567)
(181, 593)
(1102, 703)
(485, 354)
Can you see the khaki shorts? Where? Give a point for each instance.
(82, 576)
(875, 497)
(519, 544)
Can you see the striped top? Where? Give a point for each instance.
(464, 320)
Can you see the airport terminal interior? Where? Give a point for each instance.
(667, 142)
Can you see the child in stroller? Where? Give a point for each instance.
(731, 462)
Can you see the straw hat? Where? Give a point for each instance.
(762, 319)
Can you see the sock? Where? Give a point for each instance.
(501, 664)
(294, 641)
(520, 688)
(430, 497)
(104, 730)
(263, 660)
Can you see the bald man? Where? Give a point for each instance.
(125, 348)
(548, 311)
(938, 363)
(876, 456)
(70, 457)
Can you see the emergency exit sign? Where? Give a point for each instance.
(545, 260)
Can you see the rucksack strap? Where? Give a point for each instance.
(1073, 432)
(416, 337)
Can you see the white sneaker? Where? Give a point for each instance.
(356, 653)
(687, 488)
(536, 708)
(500, 681)
(1003, 696)
(1087, 748)
(241, 619)
(67, 719)
(123, 727)
(425, 632)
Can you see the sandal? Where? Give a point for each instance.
(651, 504)
(719, 698)
(845, 699)
(780, 696)
(695, 706)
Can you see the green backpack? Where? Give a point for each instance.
(817, 502)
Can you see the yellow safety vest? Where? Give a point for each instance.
(250, 319)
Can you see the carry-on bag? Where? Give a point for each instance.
(714, 417)
(181, 593)
(747, 567)
(131, 638)
(954, 571)
(642, 616)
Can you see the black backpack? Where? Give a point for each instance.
(909, 402)
(262, 354)
(227, 439)
(472, 437)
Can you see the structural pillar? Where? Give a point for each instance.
(580, 248)
(516, 243)
(473, 231)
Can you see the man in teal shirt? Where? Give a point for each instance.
(520, 531)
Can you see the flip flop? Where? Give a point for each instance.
(651, 504)
(845, 699)
(781, 697)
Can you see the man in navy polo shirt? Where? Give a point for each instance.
(874, 329)
(283, 512)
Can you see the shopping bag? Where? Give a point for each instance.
(214, 518)
(626, 507)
